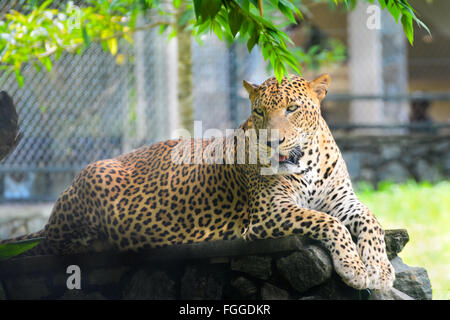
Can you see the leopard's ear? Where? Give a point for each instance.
(252, 89)
(320, 85)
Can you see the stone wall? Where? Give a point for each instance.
(396, 158)
(288, 268)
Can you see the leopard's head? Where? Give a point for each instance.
(290, 113)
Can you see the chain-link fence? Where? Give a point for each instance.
(97, 106)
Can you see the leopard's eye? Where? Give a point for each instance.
(292, 108)
(259, 112)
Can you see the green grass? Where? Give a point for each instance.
(424, 210)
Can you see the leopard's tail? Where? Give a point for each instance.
(42, 248)
(38, 234)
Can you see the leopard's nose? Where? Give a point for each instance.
(270, 143)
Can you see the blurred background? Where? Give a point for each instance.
(388, 107)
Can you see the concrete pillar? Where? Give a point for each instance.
(134, 123)
(395, 69)
(378, 66)
(140, 83)
(211, 88)
(172, 89)
(365, 66)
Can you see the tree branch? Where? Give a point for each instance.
(99, 39)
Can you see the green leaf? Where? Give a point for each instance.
(112, 45)
(45, 5)
(172, 34)
(255, 3)
(12, 249)
(253, 40)
(279, 70)
(184, 18)
(197, 8)
(410, 11)
(176, 3)
(291, 7)
(86, 38)
(287, 12)
(244, 27)
(394, 10)
(235, 20)
(203, 27)
(217, 28)
(47, 62)
(408, 28)
(163, 28)
(213, 7)
(19, 77)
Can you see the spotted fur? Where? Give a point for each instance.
(144, 199)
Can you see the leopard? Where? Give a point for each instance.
(149, 198)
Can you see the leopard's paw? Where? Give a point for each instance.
(381, 275)
(372, 250)
(352, 272)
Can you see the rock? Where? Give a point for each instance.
(413, 281)
(9, 128)
(398, 295)
(419, 149)
(393, 171)
(371, 158)
(353, 162)
(390, 152)
(368, 175)
(287, 268)
(59, 280)
(105, 276)
(426, 172)
(245, 288)
(396, 240)
(2, 292)
(257, 266)
(447, 164)
(441, 147)
(80, 295)
(311, 298)
(306, 268)
(392, 294)
(145, 285)
(336, 289)
(27, 287)
(202, 283)
(271, 292)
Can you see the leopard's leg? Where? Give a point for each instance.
(363, 225)
(340, 201)
(282, 218)
(74, 224)
(61, 234)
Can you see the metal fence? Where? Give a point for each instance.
(87, 108)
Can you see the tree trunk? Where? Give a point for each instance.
(185, 95)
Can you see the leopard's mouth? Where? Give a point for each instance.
(292, 158)
(281, 158)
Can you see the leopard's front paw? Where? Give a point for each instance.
(352, 272)
(381, 275)
(380, 271)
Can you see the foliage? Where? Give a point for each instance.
(45, 29)
(424, 210)
(12, 249)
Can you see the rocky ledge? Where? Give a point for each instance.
(289, 268)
